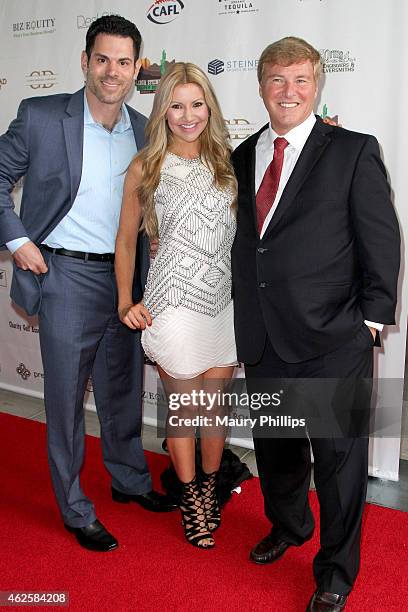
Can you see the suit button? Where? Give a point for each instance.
(262, 285)
(261, 250)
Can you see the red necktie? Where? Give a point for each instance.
(267, 191)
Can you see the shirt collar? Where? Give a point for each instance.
(297, 136)
(121, 126)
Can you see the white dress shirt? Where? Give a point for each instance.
(264, 154)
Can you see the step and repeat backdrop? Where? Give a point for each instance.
(365, 55)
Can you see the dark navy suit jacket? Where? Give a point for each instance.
(330, 256)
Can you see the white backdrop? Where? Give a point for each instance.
(365, 53)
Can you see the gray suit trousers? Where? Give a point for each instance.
(80, 336)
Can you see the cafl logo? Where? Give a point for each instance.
(164, 11)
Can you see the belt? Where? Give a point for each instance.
(81, 255)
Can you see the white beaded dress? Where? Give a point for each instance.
(188, 290)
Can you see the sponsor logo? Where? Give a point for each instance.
(150, 74)
(3, 278)
(41, 79)
(216, 66)
(150, 396)
(164, 11)
(236, 7)
(23, 371)
(325, 115)
(335, 60)
(85, 22)
(3, 82)
(33, 27)
(23, 327)
(240, 129)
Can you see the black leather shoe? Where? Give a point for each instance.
(269, 549)
(322, 601)
(153, 501)
(94, 537)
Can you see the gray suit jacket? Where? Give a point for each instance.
(44, 144)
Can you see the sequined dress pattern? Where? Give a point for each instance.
(188, 290)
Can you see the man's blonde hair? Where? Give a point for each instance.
(287, 51)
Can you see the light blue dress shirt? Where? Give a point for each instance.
(92, 222)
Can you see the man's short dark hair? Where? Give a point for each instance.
(116, 26)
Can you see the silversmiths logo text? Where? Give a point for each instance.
(336, 60)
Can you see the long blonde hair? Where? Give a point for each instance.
(215, 148)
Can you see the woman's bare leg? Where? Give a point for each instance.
(213, 438)
(181, 447)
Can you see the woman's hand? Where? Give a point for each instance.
(135, 316)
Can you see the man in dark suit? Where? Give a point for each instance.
(315, 264)
(73, 151)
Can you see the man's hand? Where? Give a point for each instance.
(373, 332)
(135, 316)
(29, 257)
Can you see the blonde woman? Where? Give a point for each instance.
(181, 190)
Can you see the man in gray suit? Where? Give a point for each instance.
(73, 151)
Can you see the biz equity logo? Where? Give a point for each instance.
(41, 79)
(33, 27)
(164, 11)
(23, 371)
(3, 83)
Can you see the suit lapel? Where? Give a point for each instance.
(315, 145)
(74, 138)
(138, 128)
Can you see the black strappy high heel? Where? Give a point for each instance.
(194, 516)
(210, 501)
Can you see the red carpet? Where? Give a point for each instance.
(154, 568)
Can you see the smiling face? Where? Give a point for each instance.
(187, 116)
(289, 94)
(111, 70)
